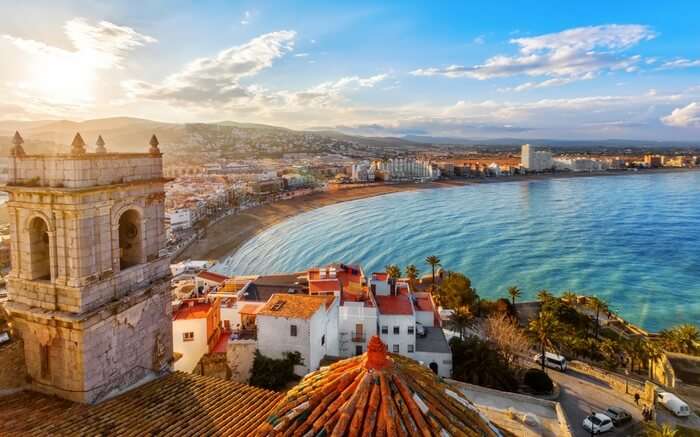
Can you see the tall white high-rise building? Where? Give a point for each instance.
(533, 160)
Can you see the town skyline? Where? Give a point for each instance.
(451, 71)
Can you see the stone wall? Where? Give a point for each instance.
(108, 350)
(87, 170)
(240, 355)
(13, 371)
(214, 364)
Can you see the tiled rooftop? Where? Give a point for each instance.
(198, 310)
(394, 305)
(324, 285)
(375, 394)
(294, 305)
(214, 277)
(175, 405)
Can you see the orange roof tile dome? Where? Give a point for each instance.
(375, 394)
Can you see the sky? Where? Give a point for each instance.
(471, 69)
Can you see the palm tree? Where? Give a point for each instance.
(635, 348)
(597, 304)
(652, 429)
(683, 338)
(434, 262)
(461, 319)
(393, 272)
(412, 273)
(514, 292)
(544, 296)
(569, 297)
(543, 328)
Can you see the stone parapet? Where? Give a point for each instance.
(83, 171)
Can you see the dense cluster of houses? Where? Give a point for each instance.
(323, 313)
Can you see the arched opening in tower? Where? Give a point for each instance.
(39, 254)
(130, 240)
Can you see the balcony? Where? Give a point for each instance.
(244, 334)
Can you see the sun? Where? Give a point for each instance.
(66, 79)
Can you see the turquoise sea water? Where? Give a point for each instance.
(634, 239)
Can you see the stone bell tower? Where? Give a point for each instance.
(89, 292)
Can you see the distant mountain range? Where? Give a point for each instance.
(132, 134)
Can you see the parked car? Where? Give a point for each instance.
(618, 416)
(551, 360)
(597, 423)
(673, 403)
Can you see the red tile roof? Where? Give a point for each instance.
(375, 394)
(198, 310)
(213, 277)
(380, 276)
(174, 405)
(294, 306)
(394, 305)
(423, 303)
(324, 285)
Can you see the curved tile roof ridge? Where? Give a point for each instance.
(378, 394)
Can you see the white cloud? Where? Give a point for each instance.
(301, 55)
(329, 93)
(681, 63)
(479, 40)
(216, 80)
(56, 76)
(247, 15)
(573, 54)
(687, 116)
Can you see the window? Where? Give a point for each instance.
(410, 348)
(293, 330)
(358, 350)
(39, 249)
(397, 330)
(323, 340)
(385, 329)
(395, 348)
(187, 336)
(410, 330)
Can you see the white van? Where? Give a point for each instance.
(673, 403)
(552, 361)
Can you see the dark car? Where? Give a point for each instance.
(618, 416)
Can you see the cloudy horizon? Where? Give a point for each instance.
(365, 68)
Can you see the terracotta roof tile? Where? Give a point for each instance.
(211, 276)
(296, 306)
(375, 394)
(394, 305)
(177, 404)
(321, 285)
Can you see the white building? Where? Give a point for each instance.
(402, 169)
(363, 172)
(182, 218)
(578, 164)
(301, 323)
(533, 160)
(195, 331)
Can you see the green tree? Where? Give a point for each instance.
(434, 262)
(456, 291)
(460, 320)
(543, 329)
(476, 362)
(514, 292)
(598, 305)
(682, 338)
(653, 353)
(412, 273)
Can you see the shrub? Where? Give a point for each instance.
(538, 381)
(274, 374)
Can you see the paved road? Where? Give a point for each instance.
(581, 394)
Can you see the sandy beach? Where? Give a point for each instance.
(232, 232)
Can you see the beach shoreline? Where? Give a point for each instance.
(229, 234)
